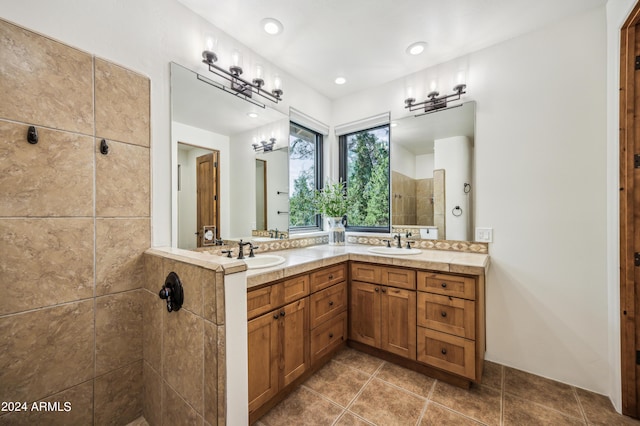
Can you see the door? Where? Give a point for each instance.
(263, 358)
(398, 321)
(630, 212)
(261, 194)
(208, 204)
(294, 323)
(364, 314)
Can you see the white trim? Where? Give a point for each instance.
(363, 124)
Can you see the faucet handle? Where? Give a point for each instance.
(408, 234)
(409, 244)
(251, 249)
(227, 252)
(388, 243)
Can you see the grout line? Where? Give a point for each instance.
(584, 414)
(326, 398)
(444, 407)
(365, 385)
(429, 395)
(564, 413)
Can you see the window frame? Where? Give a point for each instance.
(343, 175)
(318, 173)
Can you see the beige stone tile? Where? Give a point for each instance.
(492, 375)
(196, 281)
(153, 309)
(183, 352)
(122, 104)
(519, 411)
(350, 419)
(222, 375)
(44, 82)
(79, 412)
(45, 262)
(302, 407)
(120, 245)
(543, 391)
(479, 402)
(599, 410)
(51, 178)
(406, 379)
(384, 404)
(122, 180)
(220, 307)
(118, 330)
(35, 342)
(153, 269)
(359, 360)
(151, 395)
(176, 411)
(140, 421)
(337, 382)
(210, 372)
(118, 395)
(438, 415)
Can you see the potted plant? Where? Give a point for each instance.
(332, 203)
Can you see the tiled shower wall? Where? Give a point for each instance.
(412, 200)
(73, 228)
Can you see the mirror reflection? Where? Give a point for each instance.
(431, 173)
(220, 182)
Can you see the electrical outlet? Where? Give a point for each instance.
(484, 235)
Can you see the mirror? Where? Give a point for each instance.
(431, 173)
(214, 165)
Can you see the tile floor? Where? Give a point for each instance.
(357, 389)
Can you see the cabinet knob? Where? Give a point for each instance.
(330, 276)
(276, 316)
(330, 335)
(330, 302)
(444, 285)
(281, 313)
(384, 290)
(443, 313)
(444, 351)
(377, 289)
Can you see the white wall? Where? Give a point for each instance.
(145, 35)
(277, 180)
(403, 161)
(540, 183)
(424, 166)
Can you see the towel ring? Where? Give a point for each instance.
(455, 211)
(467, 188)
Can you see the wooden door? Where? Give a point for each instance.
(294, 340)
(630, 212)
(398, 321)
(263, 348)
(364, 313)
(208, 203)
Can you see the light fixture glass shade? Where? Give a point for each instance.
(277, 82)
(236, 58)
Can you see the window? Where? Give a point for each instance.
(364, 166)
(305, 176)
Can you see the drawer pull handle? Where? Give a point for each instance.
(330, 335)
(443, 313)
(282, 313)
(444, 285)
(444, 351)
(330, 302)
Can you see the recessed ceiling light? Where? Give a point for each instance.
(340, 80)
(271, 26)
(416, 48)
(394, 124)
(252, 115)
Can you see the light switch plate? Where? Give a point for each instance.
(484, 235)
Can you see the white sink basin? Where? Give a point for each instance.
(395, 251)
(262, 239)
(263, 261)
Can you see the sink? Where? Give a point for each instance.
(263, 261)
(262, 239)
(394, 251)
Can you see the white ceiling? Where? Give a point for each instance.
(365, 40)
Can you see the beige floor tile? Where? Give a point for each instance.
(360, 360)
(441, 416)
(406, 379)
(519, 411)
(552, 394)
(600, 411)
(337, 382)
(479, 402)
(492, 375)
(350, 419)
(384, 404)
(302, 407)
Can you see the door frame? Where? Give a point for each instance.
(629, 208)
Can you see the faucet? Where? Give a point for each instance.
(399, 238)
(251, 249)
(241, 249)
(273, 234)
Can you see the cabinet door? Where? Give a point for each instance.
(263, 358)
(364, 315)
(294, 358)
(398, 321)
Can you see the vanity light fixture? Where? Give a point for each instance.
(264, 145)
(239, 86)
(435, 102)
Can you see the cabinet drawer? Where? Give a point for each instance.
(447, 352)
(365, 272)
(395, 277)
(326, 303)
(328, 336)
(295, 288)
(327, 277)
(447, 314)
(448, 285)
(264, 299)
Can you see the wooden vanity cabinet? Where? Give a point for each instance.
(383, 316)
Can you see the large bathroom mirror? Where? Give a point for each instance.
(432, 173)
(221, 186)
